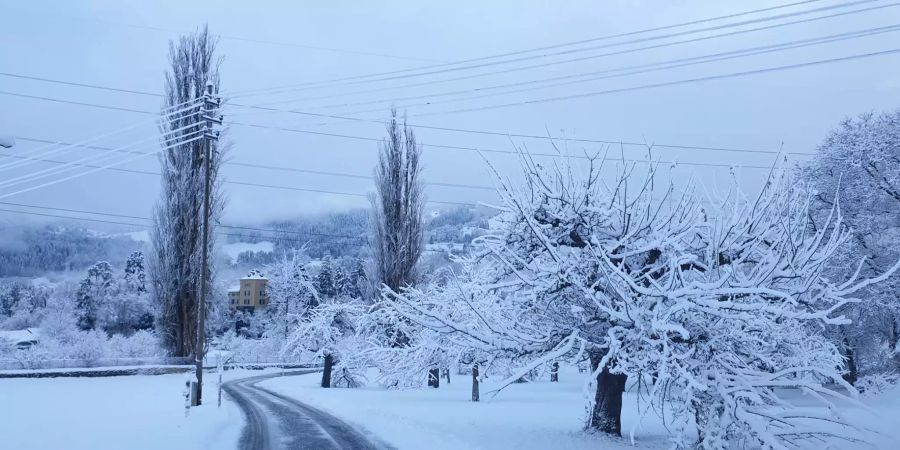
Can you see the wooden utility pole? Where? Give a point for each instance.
(210, 104)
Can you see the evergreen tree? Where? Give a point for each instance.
(341, 282)
(358, 281)
(325, 279)
(135, 277)
(92, 294)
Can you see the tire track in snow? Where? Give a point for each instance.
(276, 422)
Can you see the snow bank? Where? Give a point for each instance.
(538, 415)
(133, 412)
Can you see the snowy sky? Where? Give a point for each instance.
(123, 44)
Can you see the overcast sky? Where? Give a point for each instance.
(123, 45)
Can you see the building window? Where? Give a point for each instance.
(262, 301)
(246, 293)
(232, 301)
(247, 301)
(262, 292)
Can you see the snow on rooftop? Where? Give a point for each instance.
(20, 336)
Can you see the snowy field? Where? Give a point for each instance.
(147, 412)
(539, 415)
(525, 416)
(129, 412)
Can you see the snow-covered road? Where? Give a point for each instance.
(275, 421)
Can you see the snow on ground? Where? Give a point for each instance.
(134, 412)
(236, 248)
(538, 415)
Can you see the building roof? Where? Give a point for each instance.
(20, 336)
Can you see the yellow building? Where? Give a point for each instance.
(250, 294)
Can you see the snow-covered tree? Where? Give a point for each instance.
(358, 282)
(325, 279)
(135, 276)
(326, 335)
(292, 293)
(397, 209)
(93, 294)
(342, 283)
(860, 160)
(717, 314)
(176, 235)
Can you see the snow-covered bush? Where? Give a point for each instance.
(326, 336)
(292, 293)
(249, 351)
(877, 383)
(720, 313)
(141, 344)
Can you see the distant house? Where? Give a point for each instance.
(250, 294)
(22, 339)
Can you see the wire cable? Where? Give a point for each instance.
(550, 47)
(258, 185)
(612, 73)
(450, 129)
(333, 83)
(78, 175)
(93, 158)
(49, 149)
(671, 83)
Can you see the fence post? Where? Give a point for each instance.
(219, 369)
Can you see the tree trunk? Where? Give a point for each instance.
(434, 378)
(326, 373)
(607, 413)
(850, 375)
(554, 373)
(475, 394)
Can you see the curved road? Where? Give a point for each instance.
(275, 421)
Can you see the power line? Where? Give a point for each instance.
(381, 122)
(49, 148)
(502, 134)
(612, 73)
(74, 83)
(238, 183)
(332, 83)
(463, 61)
(461, 130)
(250, 165)
(499, 151)
(78, 175)
(669, 83)
(28, 177)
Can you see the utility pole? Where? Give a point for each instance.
(207, 112)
